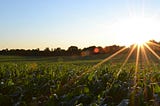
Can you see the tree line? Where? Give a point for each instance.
(71, 51)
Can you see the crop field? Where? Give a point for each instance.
(71, 83)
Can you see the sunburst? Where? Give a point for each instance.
(137, 30)
(141, 49)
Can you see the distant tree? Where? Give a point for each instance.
(89, 50)
(47, 52)
(73, 50)
(47, 49)
(59, 52)
(101, 50)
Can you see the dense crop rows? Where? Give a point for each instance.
(62, 84)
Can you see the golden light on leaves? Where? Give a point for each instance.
(141, 49)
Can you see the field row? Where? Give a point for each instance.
(67, 84)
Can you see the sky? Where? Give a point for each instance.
(30, 24)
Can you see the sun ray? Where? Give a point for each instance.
(95, 66)
(137, 65)
(128, 56)
(153, 52)
(154, 44)
(108, 58)
(144, 54)
(103, 61)
(140, 52)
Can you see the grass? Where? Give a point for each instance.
(55, 59)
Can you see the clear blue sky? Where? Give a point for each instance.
(31, 24)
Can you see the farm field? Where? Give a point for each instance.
(80, 53)
(70, 83)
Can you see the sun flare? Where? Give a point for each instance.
(140, 42)
(135, 30)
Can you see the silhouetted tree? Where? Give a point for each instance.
(73, 50)
(59, 52)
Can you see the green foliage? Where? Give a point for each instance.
(67, 84)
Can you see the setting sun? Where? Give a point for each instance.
(140, 43)
(80, 52)
(135, 30)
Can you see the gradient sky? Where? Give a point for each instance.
(31, 24)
